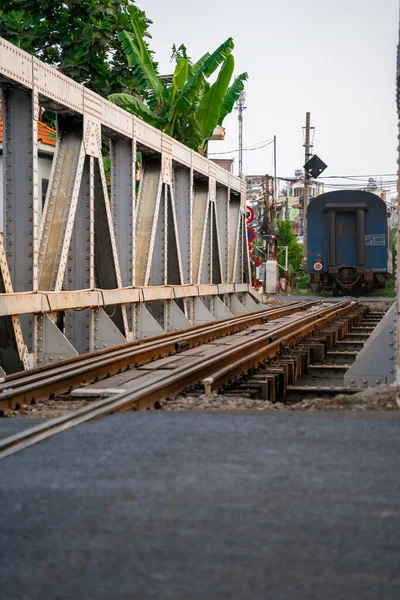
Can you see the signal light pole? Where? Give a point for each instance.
(307, 156)
(240, 107)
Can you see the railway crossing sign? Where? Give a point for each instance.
(249, 214)
(315, 166)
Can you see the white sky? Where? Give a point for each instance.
(334, 58)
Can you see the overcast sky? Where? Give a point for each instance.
(334, 58)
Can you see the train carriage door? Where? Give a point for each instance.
(346, 238)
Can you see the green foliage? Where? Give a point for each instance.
(211, 102)
(79, 38)
(103, 44)
(189, 108)
(389, 291)
(302, 281)
(394, 248)
(287, 238)
(232, 96)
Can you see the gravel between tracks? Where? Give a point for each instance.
(381, 398)
(49, 409)
(386, 398)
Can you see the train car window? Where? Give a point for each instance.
(352, 229)
(340, 229)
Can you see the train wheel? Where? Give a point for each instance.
(335, 289)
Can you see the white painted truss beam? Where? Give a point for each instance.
(22, 68)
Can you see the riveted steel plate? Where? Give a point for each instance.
(92, 103)
(212, 189)
(166, 168)
(15, 64)
(199, 163)
(92, 135)
(212, 169)
(181, 153)
(226, 288)
(186, 291)
(234, 183)
(117, 119)
(22, 303)
(241, 287)
(122, 296)
(147, 135)
(74, 299)
(166, 144)
(206, 289)
(56, 86)
(222, 175)
(157, 293)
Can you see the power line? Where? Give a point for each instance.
(250, 149)
(364, 176)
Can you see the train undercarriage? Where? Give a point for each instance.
(348, 281)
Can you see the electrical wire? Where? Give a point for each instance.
(249, 149)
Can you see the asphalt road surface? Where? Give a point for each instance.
(204, 506)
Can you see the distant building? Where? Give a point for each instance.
(288, 205)
(291, 201)
(225, 163)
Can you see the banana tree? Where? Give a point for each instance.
(188, 108)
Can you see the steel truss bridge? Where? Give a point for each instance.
(107, 262)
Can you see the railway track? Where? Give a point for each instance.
(36, 384)
(212, 356)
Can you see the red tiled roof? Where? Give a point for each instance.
(46, 134)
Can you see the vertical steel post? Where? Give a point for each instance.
(240, 107)
(307, 156)
(275, 191)
(80, 268)
(20, 160)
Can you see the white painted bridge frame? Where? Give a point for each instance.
(100, 264)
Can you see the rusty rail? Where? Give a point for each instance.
(39, 383)
(215, 368)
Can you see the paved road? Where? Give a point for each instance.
(156, 505)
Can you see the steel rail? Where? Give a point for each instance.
(51, 379)
(248, 361)
(145, 395)
(299, 305)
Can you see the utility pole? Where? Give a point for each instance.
(307, 156)
(275, 196)
(240, 107)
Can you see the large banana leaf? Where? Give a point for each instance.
(134, 106)
(205, 67)
(179, 76)
(188, 131)
(139, 57)
(217, 57)
(211, 103)
(232, 96)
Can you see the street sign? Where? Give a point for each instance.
(250, 235)
(249, 214)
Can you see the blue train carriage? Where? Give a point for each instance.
(349, 242)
